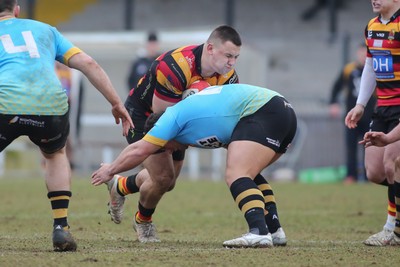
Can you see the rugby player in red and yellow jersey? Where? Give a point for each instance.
(382, 73)
(162, 86)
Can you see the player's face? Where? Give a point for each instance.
(224, 56)
(382, 6)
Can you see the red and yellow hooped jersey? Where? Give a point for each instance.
(173, 72)
(383, 41)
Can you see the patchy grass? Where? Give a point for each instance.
(325, 225)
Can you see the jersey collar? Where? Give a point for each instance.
(395, 15)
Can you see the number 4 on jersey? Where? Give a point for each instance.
(30, 45)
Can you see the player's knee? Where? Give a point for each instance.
(171, 186)
(373, 176)
(389, 170)
(164, 182)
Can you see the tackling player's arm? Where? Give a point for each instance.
(132, 156)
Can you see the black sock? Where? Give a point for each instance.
(396, 189)
(271, 211)
(131, 184)
(251, 202)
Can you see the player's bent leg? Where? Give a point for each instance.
(250, 201)
(161, 178)
(375, 172)
(240, 163)
(374, 166)
(58, 179)
(271, 211)
(57, 171)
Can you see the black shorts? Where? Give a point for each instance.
(385, 119)
(274, 125)
(49, 133)
(139, 116)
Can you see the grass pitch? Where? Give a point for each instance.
(325, 225)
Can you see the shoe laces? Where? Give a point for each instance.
(148, 228)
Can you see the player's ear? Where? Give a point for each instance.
(17, 9)
(209, 47)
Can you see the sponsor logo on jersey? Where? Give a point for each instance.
(210, 142)
(391, 35)
(383, 64)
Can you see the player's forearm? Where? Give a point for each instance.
(368, 83)
(132, 156)
(128, 159)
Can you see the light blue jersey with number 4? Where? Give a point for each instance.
(207, 119)
(28, 82)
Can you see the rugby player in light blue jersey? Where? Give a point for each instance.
(247, 120)
(33, 103)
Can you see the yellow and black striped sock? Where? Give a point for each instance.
(271, 211)
(250, 201)
(397, 200)
(391, 209)
(121, 186)
(144, 215)
(127, 185)
(59, 203)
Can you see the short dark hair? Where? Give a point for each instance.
(152, 37)
(151, 120)
(226, 33)
(7, 5)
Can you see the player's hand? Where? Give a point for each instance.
(353, 116)
(374, 139)
(121, 114)
(102, 175)
(334, 110)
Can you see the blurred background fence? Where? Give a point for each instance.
(294, 47)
